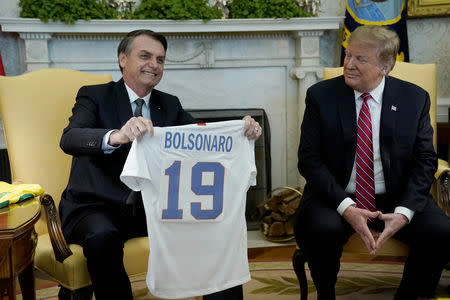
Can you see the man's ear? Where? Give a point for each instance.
(122, 59)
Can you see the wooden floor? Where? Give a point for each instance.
(271, 253)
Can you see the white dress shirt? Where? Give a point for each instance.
(375, 105)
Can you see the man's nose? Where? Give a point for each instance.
(152, 62)
(349, 62)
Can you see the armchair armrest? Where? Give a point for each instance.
(443, 186)
(442, 167)
(59, 244)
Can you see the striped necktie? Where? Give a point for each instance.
(138, 111)
(365, 184)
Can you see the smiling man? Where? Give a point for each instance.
(366, 152)
(97, 210)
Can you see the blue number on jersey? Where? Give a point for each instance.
(215, 190)
(172, 211)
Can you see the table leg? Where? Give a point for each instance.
(7, 288)
(26, 281)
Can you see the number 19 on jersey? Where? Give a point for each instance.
(192, 191)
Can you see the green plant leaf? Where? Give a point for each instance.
(265, 9)
(67, 11)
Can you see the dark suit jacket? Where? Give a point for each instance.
(328, 143)
(94, 178)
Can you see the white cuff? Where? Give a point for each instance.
(344, 204)
(404, 211)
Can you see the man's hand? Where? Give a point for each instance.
(133, 129)
(252, 128)
(392, 223)
(357, 218)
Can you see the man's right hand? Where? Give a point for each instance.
(133, 129)
(357, 218)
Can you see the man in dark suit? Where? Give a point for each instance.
(97, 210)
(370, 163)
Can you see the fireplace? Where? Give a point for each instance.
(256, 194)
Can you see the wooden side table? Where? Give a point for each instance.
(17, 243)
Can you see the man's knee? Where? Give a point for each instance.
(102, 244)
(435, 230)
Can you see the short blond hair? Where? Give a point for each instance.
(384, 40)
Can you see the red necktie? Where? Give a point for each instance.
(365, 185)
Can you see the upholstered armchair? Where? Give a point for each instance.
(35, 108)
(425, 77)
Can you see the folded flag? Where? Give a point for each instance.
(14, 193)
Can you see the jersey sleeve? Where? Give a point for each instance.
(135, 171)
(252, 164)
(248, 152)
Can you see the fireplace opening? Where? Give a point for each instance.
(256, 194)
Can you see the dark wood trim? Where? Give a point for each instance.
(59, 244)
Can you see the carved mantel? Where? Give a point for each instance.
(230, 63)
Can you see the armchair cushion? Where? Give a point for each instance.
(73, 273)
(392, 248)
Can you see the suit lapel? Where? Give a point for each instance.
(155, 109)
(122, 102)
(347, 114)
(389, 109)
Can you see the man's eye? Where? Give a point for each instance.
(362, 59)
(161, 60)
(144, 56)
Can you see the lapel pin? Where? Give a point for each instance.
(394, 108)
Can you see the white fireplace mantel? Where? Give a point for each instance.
(172, 26)
(230, 63)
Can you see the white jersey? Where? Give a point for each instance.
(194, 180)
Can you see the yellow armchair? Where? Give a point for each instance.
(425, 77)
(35, 108)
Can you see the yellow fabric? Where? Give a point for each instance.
(442, 166)
(35, 108)
(10, 193)
(392, 247)
(73, 273)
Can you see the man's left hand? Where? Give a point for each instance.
(252, 128)
(392, 223)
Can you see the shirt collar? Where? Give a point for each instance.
(133, 96)
(376, 93)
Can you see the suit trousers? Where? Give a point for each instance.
(321, 233)
(102, 234)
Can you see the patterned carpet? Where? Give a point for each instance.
(277, 280)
